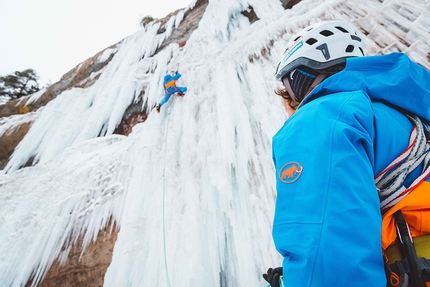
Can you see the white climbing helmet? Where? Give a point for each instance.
(320, 46)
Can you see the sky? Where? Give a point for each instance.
(193, 187)
(52, 37)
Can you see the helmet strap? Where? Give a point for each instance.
(291, 93)
(316, 82)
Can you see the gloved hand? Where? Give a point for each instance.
(272, 276)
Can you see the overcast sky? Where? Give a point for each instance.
(53, 36)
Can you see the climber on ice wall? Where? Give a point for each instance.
(170, 88)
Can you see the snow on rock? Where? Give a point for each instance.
(191, 189)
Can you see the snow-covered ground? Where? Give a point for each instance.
(192, 188)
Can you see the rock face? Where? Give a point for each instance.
(85, 271)
(8, 142)
(288, 4)
(77, 77)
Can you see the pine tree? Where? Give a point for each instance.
(19, 84)
(146, 20)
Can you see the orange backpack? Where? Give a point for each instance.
(416, 211)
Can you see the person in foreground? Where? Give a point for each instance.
(170, 88)
(353, 151)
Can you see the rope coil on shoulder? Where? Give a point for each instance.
(390, 181)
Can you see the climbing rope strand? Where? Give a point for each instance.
(395, 171)
(402, 192)
(164, 202)
(400, 158)
(390, 182)
(417, 145)
(392, 200)
(414, 163)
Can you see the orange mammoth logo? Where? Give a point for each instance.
(290, 172)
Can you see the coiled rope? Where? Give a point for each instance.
(390, 181)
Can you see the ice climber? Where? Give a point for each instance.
(170, 88)
(353, 152)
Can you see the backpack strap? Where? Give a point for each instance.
(407, 263)
(407, 250)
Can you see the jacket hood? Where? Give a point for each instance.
(391, 78)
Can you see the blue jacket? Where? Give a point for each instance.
(169, 83)
(327, 222)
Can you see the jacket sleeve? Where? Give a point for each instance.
(327, 223)
(176, 76)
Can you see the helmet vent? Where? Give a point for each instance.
(349, 49)
(311, 41)
(326, 33)
(342, 29)
(356, 38)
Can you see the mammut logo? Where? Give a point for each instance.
(290, 172)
